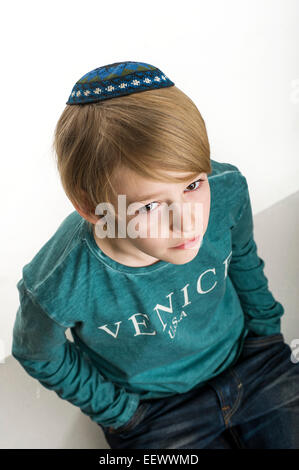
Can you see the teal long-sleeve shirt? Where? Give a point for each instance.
(143, 332)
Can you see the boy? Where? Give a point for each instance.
(177, 340)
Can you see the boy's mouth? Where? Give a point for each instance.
(188, 243)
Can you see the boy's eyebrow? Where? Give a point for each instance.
(145, 197)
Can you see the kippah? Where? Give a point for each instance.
(118, 79)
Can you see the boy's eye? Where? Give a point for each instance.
(197, 181)
(143, 209)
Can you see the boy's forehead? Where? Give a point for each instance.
(133, 185)
(125, 176)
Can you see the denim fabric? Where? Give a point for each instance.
(253, 404)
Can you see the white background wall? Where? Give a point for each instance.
(236, 59)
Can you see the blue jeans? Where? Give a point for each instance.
(253, 404)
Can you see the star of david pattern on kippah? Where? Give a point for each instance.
(118, 79)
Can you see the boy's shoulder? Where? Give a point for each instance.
(228, 179)
(64, 244)
(229, 191)
(227, 170)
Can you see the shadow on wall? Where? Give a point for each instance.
(276, 232)
(33, 417)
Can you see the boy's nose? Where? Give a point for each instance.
(187, 219)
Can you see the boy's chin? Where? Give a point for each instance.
(183, 257)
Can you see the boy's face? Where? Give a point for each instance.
(188, 219)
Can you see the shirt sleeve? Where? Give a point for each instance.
(41, 347)
(246, 271)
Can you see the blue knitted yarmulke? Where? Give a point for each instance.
(118, 79)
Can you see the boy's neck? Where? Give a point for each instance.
(120, 250)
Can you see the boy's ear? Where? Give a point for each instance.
(84, 208)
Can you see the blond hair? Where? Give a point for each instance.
(149, 132)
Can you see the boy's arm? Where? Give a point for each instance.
(262, 311)
(42, 349)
